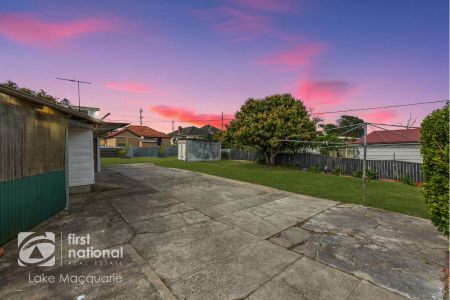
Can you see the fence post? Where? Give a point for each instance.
(364, 165)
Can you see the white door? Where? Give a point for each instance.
(81, 157)
(182, 150)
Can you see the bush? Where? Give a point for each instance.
(124, 152)
(314, 169)
(261, 161)
(434, 138)
(406, 180)
(357, 173)
(337, 172)
(161, 151)
(370, 174)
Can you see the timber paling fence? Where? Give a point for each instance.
(387, 169)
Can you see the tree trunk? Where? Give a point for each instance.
(272, 158)
(267, 156)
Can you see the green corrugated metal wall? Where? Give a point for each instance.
(28, 201)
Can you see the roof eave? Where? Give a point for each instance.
(57, 107)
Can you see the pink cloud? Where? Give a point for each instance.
(28, 29)
(267, 5)
(190, 116)
(380, 116)
(237, 23)
(300, 56)
(131, 87)
(330, 92)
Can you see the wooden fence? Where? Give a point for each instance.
(388, 169)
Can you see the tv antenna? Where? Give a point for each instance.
(78, 85)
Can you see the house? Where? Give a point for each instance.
(136, 136)
(401, 145)
(46, 151)
(193, 132)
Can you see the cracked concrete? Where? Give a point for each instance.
(195, 236)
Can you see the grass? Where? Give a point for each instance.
(393, 196)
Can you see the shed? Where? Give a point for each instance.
(198, 150)
(45, 149)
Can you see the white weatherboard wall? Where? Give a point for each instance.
(409, 153)
(81, 160)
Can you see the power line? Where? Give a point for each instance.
(318, 113)
(379, 107)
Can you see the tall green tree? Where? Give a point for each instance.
(434, 137)
(346, 120)
(262, 123)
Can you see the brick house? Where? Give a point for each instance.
(136, 136)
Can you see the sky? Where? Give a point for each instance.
(194, 60)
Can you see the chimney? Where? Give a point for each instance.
(179, 129)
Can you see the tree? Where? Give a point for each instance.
(41, 94)
(345, 121)
(434, 137)
(11, 84)
(262, 123)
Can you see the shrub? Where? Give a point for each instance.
(161, 151)
(407, 180)
(124, 152)
(434, 138)
(337, 172)
(370, 174)
(357, 173)
(314, 169)
(261, 161)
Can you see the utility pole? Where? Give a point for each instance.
(140, 116)
(364, 176)
(222, 121)
(78, 85)
(173, 125)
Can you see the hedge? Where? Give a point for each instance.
(435, 145)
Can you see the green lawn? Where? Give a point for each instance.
(391, 196)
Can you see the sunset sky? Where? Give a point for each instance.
(192, 60)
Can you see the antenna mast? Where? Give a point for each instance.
(140, 116)
(78, 85)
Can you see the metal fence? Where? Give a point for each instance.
(388, 169)
(152, 151)
(139, 151)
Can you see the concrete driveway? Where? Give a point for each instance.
(195, 236)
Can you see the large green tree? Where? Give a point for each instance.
(346, 121)
(263, 123)
(434, 137)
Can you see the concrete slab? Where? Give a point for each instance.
(308, 279)
(368, 291)
(218, 210)
(259, 221)
(167, 223)
(368, 247)
(199, 254)
(135, 213)
(236, 276)
(315, 248)
(153, 244)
